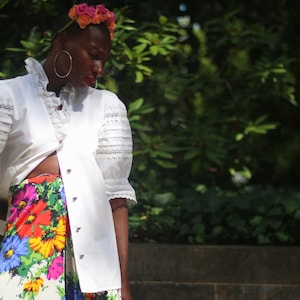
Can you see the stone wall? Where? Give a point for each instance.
(172, 272)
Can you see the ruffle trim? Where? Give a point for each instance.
(130, 197)
(6, 112)
(59, 108)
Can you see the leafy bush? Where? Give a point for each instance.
(251, 216)
(212, 98)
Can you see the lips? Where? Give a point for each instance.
(89, 81)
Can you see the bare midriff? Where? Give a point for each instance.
(48, 166)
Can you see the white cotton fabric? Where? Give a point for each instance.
(93, 140)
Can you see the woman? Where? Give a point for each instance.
(65, 158)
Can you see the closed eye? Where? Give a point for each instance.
(98, 55)
(94, 56)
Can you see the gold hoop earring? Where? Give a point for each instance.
(71, 64)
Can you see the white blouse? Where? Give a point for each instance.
(91, 134)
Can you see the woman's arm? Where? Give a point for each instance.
(120, 216)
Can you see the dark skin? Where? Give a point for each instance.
(90, 48)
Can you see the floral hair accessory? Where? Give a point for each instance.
(85, 15)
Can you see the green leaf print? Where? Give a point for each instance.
(61, 291)
(27, 262)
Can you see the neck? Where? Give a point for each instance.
(55, 84)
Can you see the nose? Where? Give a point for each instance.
(98, 67)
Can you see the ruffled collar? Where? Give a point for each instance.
(58, 108)
(37, 71)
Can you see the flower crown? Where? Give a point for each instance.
(85, 15)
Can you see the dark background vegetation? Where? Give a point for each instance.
(211, 89)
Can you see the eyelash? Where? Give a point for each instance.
(96, 56)
(93, 56)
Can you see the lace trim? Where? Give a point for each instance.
(114, 138)
(115, 115)
(130, 197)
(7, 107)
(120, 151)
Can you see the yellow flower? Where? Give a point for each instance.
(34, 286)
(49, 241)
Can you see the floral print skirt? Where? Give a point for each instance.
(36, 254)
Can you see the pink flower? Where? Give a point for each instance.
(90, 11)
(81, 9)
(85, 15)
(28, 193)
(56, 268)
(110, 17)
(101, 9)
(21, 201)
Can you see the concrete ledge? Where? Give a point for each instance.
(214, 272)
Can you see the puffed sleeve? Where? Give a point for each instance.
(114, 151)
(6, 114)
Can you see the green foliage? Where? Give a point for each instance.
(212, 98)
(224, 107)
(134, 47)
(253, 215)
(37, 45)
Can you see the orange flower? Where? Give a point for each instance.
(83, 21)
(111, 26)
(8, 226)
(41, 179)
(97, 19)
(85, 15)
(72, 12)
(34, 286)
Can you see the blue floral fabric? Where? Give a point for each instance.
(36, 254)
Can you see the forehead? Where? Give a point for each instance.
(95, 37)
